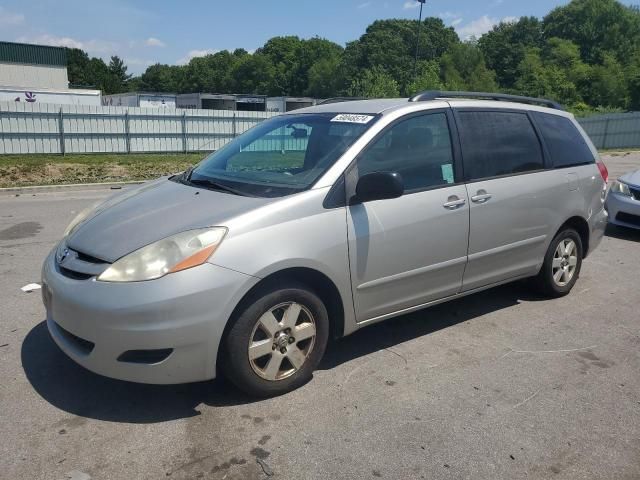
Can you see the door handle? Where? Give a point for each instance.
(454, 202)
(481, 197)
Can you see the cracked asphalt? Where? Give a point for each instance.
(498, 385)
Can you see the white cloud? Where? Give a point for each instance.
(10, 18)
(456, 22)
(154, 42)
(90, 46)
(448, 15)
(410, 4)
(480, 26)
(138, 62)
(195, 53)
(364, 5)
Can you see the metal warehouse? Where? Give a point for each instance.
(38, 74)
(216, 101)
(287, 104)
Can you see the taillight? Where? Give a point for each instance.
(603, 170)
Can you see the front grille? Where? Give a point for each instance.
(628, 218)
(85, 347)
(74, 275)
(635, 193)
(80, 266)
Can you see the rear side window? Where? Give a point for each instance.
(566, 145)
(498, 143)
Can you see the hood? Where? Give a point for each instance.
(632, 178)
(151, 212)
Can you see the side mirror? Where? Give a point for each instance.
(379, 186)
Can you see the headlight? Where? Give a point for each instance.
(171, 254)
(621, 188)
(78, 219)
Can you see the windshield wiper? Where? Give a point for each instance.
(186, 176)
(202, 182)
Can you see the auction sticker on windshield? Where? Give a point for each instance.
(352, 118)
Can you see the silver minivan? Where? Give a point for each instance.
(319, 222)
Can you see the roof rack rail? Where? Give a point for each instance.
(340, 100)
(436, 94)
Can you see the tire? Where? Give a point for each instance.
(263, 337)
(550, 281)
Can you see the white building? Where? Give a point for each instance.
(38, 74)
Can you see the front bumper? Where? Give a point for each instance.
(95, 323)
(623, 211)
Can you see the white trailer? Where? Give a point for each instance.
(47, 95)
(142, 100)
(218, 101)
(287, 104)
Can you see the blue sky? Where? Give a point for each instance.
(146, 32)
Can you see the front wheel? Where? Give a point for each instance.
(276, 341)
(562, 264)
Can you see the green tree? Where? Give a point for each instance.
(283, 52)
(464, 68)
(374, 83)
(211, 73)
(597, 27)
(504, 47)
(633, 81)
(326, 77)
(608, 84)
(160, 78)
(77, 65)
(551, 74)
(428, 78)
(390, 45)
(254, 74)
(117, 78)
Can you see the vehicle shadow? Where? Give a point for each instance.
(622, 233)
(424, 322)
(73, 389)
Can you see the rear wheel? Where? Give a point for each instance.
(276, 341)
(562, 264)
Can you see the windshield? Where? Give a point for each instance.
(281, 156)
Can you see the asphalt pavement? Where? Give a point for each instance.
(499, 385)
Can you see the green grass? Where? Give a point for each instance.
(26, 170)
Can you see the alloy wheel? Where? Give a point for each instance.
(565, 261)
(282, 341)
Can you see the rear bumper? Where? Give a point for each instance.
(183, 314)
(623, 211)
(597, 227)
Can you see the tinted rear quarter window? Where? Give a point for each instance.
(564, 142)
(498, 143)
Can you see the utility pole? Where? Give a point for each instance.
(415, 63)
